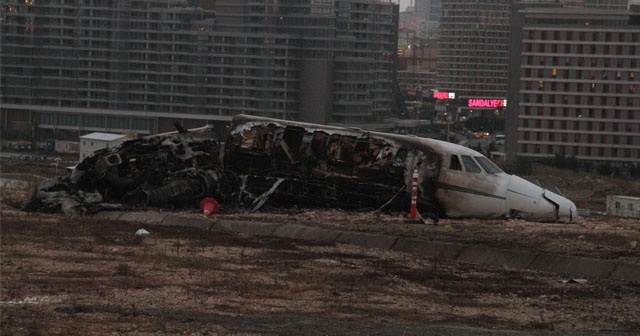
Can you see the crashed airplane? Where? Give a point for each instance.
(171, 170)
(288, 163)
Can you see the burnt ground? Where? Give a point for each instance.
(65, 275)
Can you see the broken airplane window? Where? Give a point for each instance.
(455, 163)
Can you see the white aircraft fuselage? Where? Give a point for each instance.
(454, 181)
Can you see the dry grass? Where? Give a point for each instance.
(85, 277)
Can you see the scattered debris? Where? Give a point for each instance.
(170, 170)
(578, 281)
(142, 232)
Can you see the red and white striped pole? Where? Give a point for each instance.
(414, 195)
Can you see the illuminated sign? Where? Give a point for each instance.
(494, 103)
(444, 95)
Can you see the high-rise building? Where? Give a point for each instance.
(574, 85)
(141, 65)
(417, 58)
(474, 47)
(422, 18)
(428, 9)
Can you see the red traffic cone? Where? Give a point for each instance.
(209, 206)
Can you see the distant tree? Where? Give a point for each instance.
(634, 171)
(605, 169)
(573, 163)
(519, 166)
(559, 161)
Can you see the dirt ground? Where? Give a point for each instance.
(588, 191)
(65, 275)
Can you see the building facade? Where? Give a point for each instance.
(141, 65)
(474, 47)
(574, 88)
(100, 65)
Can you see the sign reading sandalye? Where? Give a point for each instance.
(481, 102)
(444, 95)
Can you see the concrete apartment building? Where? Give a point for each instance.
(563, 74)
(475, 43)
(140, 65)
(473, 53)
(574, 87)
(474, 48)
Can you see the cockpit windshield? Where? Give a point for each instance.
(469, 165)
(488, 166)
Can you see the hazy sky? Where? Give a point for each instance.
(404, 4)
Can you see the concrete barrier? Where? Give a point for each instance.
(369, 240)
(149, 217)
(573, 266)
(197, 222)
(257, 229)
(109, 215)
(428, 248)
(483, 255)
(308, 233)
(626, 272)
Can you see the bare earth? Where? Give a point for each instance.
(81, 276)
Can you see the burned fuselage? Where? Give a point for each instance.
(299, 163)
(287, 163)
(292, 162)
(166, 171)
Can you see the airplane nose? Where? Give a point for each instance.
(566, 210)
(530, 201)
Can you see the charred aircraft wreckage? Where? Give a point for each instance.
(287, 163)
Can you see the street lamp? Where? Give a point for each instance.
(448, 118)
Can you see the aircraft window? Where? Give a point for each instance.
(470, 165)
(455, 163)
(318, 143)
(345, 150)
(332, 148)
(488, 166)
